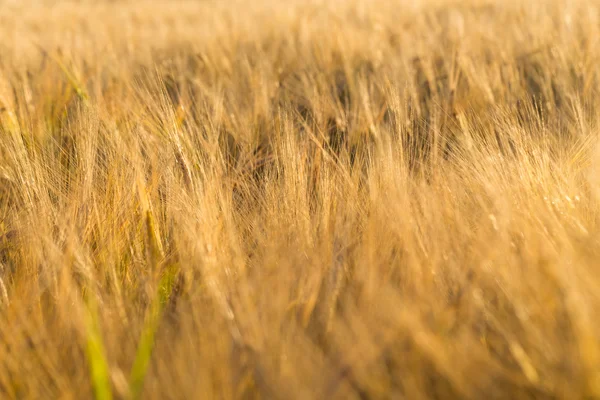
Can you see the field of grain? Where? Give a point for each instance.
(328, 199)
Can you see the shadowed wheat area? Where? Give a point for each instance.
(342, 199)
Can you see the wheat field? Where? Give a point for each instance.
(328, 199)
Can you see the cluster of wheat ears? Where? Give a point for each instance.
(300, 199)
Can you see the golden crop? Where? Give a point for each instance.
(300, 199)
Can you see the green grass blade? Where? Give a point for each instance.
(143, 355)
(98, 364)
